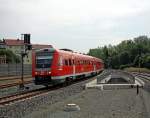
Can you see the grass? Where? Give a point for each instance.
(134, 69)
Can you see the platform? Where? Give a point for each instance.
(105, 84)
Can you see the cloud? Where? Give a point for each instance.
(83, 24)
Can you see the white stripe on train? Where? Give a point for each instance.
(65, 76)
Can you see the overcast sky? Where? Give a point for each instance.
(75, 24)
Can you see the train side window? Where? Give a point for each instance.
(78, 62)
(73, 61)
(70, 62)
(66, 62)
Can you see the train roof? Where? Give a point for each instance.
(70, 52)
(78, 54)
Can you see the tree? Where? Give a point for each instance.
(127, 53)
(124, 58)
(10, 56)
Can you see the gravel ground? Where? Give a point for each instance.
(123, 103)
(24, 107)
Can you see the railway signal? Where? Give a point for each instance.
(28, 46)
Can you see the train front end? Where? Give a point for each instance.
(44, 59)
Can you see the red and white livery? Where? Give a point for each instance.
(53, 66)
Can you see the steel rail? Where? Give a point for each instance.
(2, 86)
(14, 78)
(20, 96)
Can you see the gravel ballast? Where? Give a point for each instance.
(94, 103)
(16, 89)
(22, 108)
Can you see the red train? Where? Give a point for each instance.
(53, 66)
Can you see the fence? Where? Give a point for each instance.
(14, 69)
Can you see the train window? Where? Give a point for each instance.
(70, 62)
(66, 62)
(78, 62)
(73, 62)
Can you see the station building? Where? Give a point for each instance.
(17, 46)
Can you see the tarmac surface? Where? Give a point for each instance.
(94, 103)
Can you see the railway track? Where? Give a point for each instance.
(6, 82)
(12, 98)
(2, 86)
(24, 95)
(146, 78)
(14, 77)
(142, 75)
(32, 93)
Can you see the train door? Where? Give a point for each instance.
(60, 63)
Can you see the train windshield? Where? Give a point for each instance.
(44, 59)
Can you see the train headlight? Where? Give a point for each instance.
(36, 73)
(49, 72)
